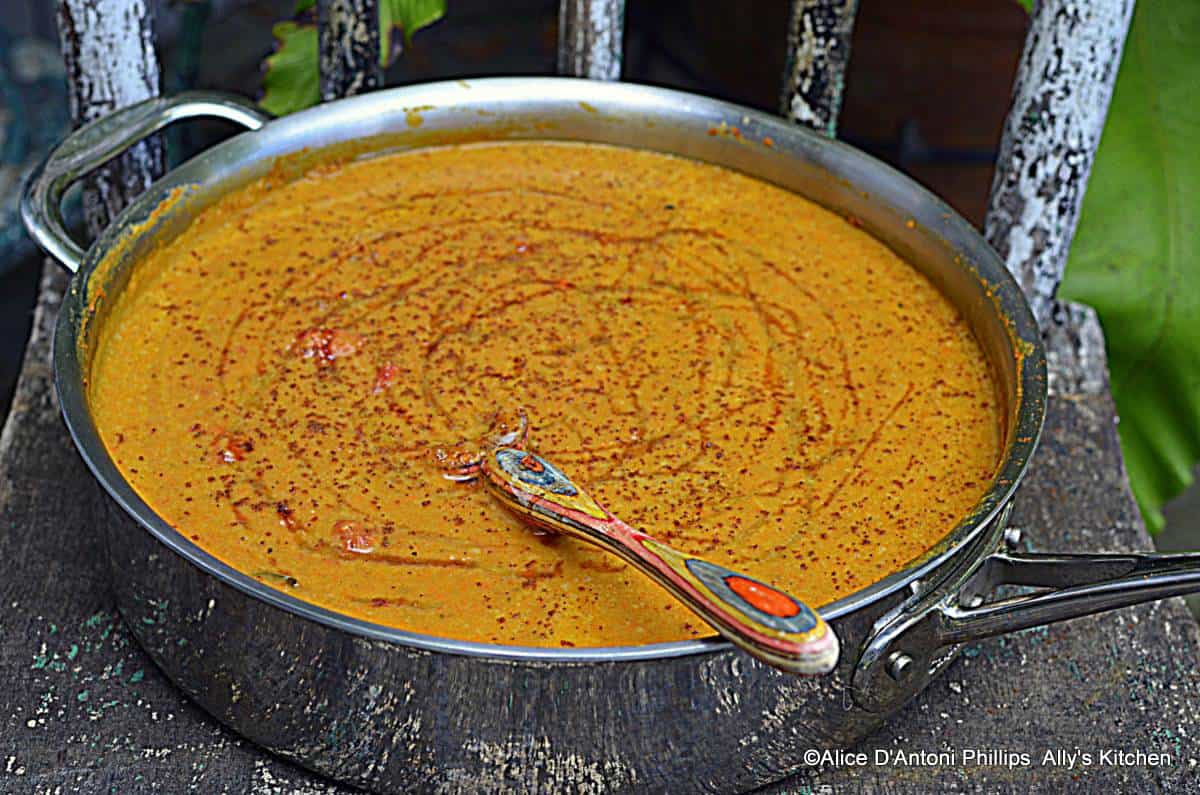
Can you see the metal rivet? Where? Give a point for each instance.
(899, 665)
(1012, 537)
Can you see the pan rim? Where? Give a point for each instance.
(1009, 304)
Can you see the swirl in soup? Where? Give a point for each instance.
(725, 364)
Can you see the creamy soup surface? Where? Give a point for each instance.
(722, 363)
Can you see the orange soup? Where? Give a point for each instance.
(720, 362)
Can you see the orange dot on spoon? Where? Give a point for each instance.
(764, 598)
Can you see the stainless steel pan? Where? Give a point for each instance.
(393, 710)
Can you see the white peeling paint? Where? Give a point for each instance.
(818, 42)
(1060, 101)
(117, 65)
(111, 63)
(802, 113)
(591, 36)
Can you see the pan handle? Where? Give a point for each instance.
(1074, 586)
(914, 643)
(99, 141)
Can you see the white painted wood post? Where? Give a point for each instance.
(348, 36)
(108, 46)
(591, 35)
(818, 50)
(1060, 101)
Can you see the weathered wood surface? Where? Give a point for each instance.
(818, 49)
(96, 36)
(1060, 101)
(82, 709)
(591, 34)
(348, 45)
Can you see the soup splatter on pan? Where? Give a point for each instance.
(724, 363)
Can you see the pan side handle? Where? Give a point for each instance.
(912, 645)
(99, 141)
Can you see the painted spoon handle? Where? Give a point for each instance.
(759, 618)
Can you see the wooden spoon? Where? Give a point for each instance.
(764, 621)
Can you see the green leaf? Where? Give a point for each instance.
(1027, 5)
(408, 15)
(291, 82)
(302, 6)
(1136, 254)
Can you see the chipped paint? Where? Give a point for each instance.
(590, 38)
(95, 35)
(818, 51)
(1060, 100)
(348, 47)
